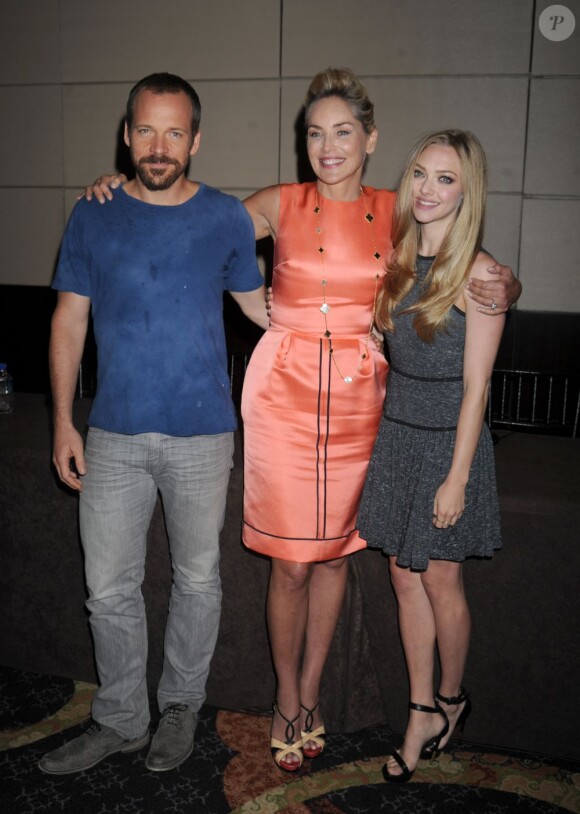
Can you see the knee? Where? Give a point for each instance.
(443, 580)
(290, 576)
(201, 577)
(116, 598)
(115, 584)
(406, 583)
(333, 566)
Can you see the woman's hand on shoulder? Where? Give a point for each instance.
(484, 270)
(492, 286)
(102, 187)
(264, 209)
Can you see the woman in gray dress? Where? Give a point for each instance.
(430, 498)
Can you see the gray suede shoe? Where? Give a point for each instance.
(84, 752)
(173, 741)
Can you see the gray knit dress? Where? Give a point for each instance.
(414, 448)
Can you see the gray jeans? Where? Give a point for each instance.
(124, 473)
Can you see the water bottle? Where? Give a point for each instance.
(6, 391)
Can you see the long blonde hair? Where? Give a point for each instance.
(460, 246)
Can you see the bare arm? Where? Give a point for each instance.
(482, 338)
(102, 186)
(253, 305)
(264, 209)
(500, 289)
(69, 329)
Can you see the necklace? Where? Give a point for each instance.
(325, 307)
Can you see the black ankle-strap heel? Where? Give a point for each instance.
(458, 699)
(430, 747)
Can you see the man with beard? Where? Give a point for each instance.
(152, 266)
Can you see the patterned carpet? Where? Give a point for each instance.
(231, 771)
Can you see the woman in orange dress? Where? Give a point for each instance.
(313, 396)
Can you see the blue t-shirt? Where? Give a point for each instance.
(156, 276)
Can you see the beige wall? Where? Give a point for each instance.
(66, 67)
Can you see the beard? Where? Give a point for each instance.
(156, 179)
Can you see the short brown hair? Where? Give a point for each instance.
(165, 83)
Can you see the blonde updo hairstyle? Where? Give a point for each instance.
(457, 253)
(342, 83)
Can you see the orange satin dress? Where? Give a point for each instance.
(308, 434)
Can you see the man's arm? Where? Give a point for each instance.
(253, 305)
(495, 296)
(67, 340)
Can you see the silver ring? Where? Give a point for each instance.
(493, 305)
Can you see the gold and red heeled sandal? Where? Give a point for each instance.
(282, 749)
(317, 736)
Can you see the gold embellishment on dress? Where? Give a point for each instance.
(325, 307)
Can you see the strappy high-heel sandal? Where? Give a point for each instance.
(308, 734)
(432, 746)
(460, 723)
(458, 699)
(282, 749)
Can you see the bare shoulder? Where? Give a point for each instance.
(264, 196)
(480, 266)
(264, 208)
